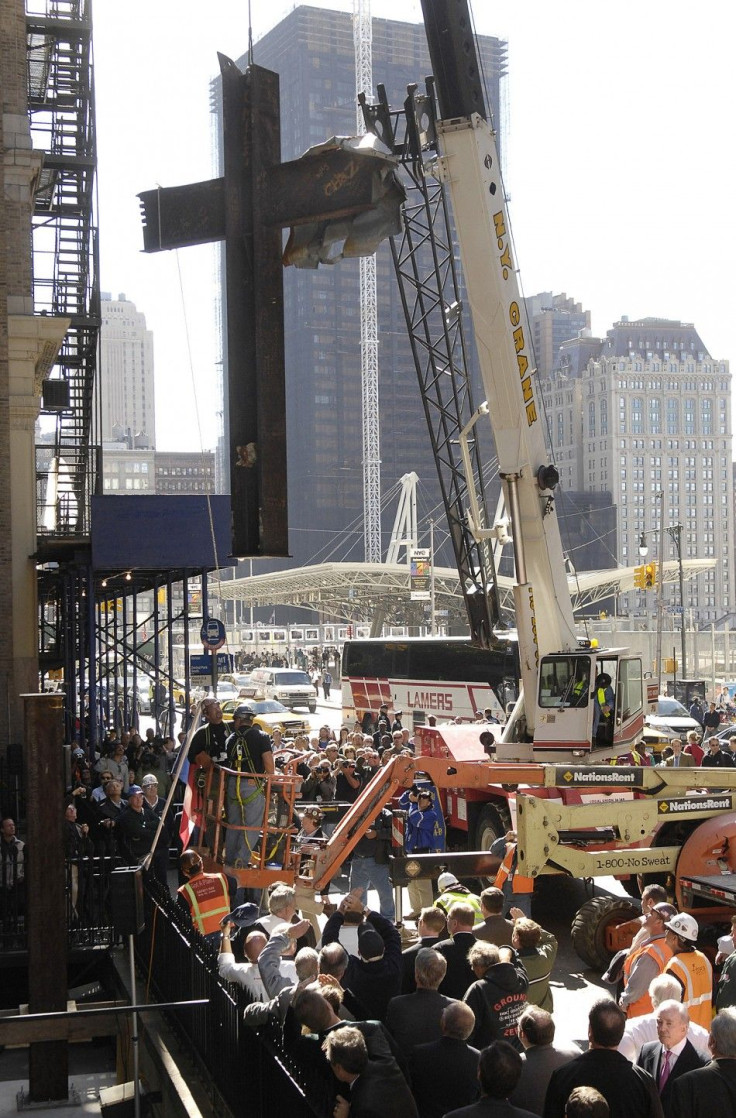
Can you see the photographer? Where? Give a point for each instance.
(154, 762)
(321, 784)
(347, 784)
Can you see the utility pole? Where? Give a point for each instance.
(660, 586)
(432, 586)
(363, 42)
(675, 530)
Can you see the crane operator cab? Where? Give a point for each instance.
(589, 702)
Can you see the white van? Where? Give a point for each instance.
(289, 686)
(672, 718)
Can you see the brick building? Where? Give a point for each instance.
(28, 347)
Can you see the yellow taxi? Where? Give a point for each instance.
(269, 716)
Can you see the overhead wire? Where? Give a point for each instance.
(188, 346)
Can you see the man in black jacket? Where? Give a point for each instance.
(432, 928)
(542, 1056)
(444, 1073)
(376, 1088)
(672, 1055)
(629, 1091)
(415, 1018)
(499, 1070)
(460, 974)
(498, 996)
(374, 975)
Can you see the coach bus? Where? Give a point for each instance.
(449, 678)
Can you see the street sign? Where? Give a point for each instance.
(200, 666)
(420, 574)
(212, 634)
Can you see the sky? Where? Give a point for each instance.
(621, 164)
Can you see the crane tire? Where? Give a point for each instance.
(588, 931)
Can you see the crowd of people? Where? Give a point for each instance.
(461, 1023)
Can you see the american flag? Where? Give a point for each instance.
(191, 815)
(193, 804)
(193, 808)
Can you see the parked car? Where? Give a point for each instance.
(226, 690)
(238, 679)
(270, 716)
(726, 732)
(289, 686)
(671, 718)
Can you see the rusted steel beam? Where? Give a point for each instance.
(256, 434)
(46, 902)
(178, 216)
(329, 184)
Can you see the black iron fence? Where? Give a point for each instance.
(12, 792)
(252, 1073)
(88, 914)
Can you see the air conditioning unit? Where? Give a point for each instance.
(55, 395)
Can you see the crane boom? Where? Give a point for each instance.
(470, 168)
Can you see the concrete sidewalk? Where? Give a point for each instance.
(87, 1087)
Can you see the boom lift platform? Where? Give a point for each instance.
(678, 823)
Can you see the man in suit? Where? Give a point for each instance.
(415, 1018)
(432, 928)
(710, 1090)
(494, 927)
(629, 1090)
(541, 1057)
(499, 1069)
(376, 1089)
(679, 760)
(672, 1055)
(641, 1030)
(444, 1073)
(460, 974)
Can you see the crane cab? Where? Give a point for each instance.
(588, 703)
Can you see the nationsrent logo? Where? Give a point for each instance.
(702, 803)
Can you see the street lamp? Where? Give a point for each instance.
(675, 531)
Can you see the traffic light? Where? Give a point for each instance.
(639, 575)
(650, 575)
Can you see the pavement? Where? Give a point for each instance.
(86, 1087)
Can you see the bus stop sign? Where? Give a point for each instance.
(212, 634)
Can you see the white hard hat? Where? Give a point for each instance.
(446, 879)
(148, 779)
(684, 926)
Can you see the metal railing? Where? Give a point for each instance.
(88, 914)
(252, 1073)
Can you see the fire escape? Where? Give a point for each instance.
(66, 283)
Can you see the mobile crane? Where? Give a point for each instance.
(572, 816)
(558, 715)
